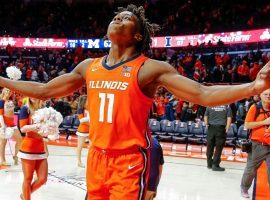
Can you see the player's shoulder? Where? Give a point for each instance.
(159, 66)
(152, 69)
(82, 67)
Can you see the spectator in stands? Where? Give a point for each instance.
(28, 73)
(156, 166)
(243, 72)
(34, 75)
(241, 113)
(218, 74)
(255, 68)
(187, 114)
(260, 151)
(170, 109)
(161, 105)
(74, 104)
(218, 120)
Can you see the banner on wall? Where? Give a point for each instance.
(238, 37)
(251, 36)
(39, 43)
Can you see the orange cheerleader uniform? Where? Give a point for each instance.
(117, 166)
(32, 147)
(83, 129)
(7, 105)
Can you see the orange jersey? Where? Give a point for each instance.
(119, 110)
(83, 128)
(257, 134)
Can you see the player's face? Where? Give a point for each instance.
(123, 26)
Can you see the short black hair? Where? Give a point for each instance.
(147, 29)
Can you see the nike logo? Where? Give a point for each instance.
(132, 166)
(95, 68)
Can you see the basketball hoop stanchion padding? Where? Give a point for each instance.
(261, 187)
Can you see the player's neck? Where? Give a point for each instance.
(119, 54)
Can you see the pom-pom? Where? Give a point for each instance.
(6, 133)
(14, 73)
(49, 120)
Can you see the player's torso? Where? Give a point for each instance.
(117, 106)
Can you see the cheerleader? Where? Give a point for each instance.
(7, 120)
(83, 129)
(33, 151)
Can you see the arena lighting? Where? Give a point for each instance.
(238, 37)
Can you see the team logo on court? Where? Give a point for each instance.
(126, 71)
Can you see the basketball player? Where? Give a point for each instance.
(120, 89)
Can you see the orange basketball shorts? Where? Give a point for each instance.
(115, 175)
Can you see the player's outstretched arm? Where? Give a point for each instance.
(165, 75)
(59, 86)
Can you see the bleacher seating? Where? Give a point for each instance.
(182, 133)
(74, 127)
(167, 127)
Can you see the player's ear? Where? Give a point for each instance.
(138, 37)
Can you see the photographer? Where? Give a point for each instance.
(258, 121)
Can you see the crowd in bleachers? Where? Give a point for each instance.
(214, 67)
(82, 19)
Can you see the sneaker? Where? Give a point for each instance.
(217, 168)
(209, 166)
(244, 193)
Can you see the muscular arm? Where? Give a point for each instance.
(60, 86)
(156, 73)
